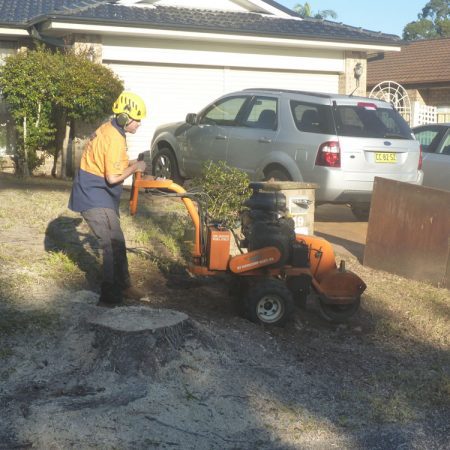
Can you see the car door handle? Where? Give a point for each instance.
(221, 137)
(265, 140)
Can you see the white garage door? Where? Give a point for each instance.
(171, 92)
(241, 79)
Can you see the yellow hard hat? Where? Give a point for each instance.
(130, 104)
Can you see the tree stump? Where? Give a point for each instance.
(138, 339)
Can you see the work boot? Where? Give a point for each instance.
(110, 295)
(133, 293)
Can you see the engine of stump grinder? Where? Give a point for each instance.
(265, 224)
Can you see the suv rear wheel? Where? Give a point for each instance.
(164, 165)
(277, 174)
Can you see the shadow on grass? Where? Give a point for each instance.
(64, 234)
(167, 235)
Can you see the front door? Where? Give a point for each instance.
(255, 136)
(208, 140)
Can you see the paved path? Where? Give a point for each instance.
(337, 224)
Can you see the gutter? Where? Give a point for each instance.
(8, 31)
(55, 26)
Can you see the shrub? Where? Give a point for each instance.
(225, 189)
(45, 90)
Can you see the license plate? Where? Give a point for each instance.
(384, 157)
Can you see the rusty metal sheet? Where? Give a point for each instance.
(409, 231)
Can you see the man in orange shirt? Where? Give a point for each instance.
(97, 189)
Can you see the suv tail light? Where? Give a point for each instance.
(420, 159)
(329, 154)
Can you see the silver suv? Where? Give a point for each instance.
(340, 142)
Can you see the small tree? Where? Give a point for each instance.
(45, 91)
(433, 21)
(26, 86)
(225, 188)
(304, 10)
(85, 91)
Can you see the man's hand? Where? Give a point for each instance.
(140, 166)
(136, 166)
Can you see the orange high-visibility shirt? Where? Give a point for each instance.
(106, 152)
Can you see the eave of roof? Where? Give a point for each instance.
(6, 31)
(60, 28)
(224, 22)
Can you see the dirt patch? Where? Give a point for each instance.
(379, 382)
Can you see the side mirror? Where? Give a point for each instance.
(191, 119)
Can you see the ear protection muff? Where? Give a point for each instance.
(122, 119)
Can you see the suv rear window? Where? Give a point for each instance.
(312, 118)
(369, 121)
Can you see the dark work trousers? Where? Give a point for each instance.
(105, 225)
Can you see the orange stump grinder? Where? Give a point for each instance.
(278, 269)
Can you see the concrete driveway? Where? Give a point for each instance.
(338, 225)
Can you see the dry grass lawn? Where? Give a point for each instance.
(389, 366)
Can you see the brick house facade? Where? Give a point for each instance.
(422, 68)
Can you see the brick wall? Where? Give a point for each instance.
(436, 96)
(347, 80)
(415, 96)
(89, 44)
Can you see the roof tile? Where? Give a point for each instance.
(23, 12)
(419, 62)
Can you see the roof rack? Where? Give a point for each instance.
(291, 91)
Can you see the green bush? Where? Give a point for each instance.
(45, 91)
(225, 189)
